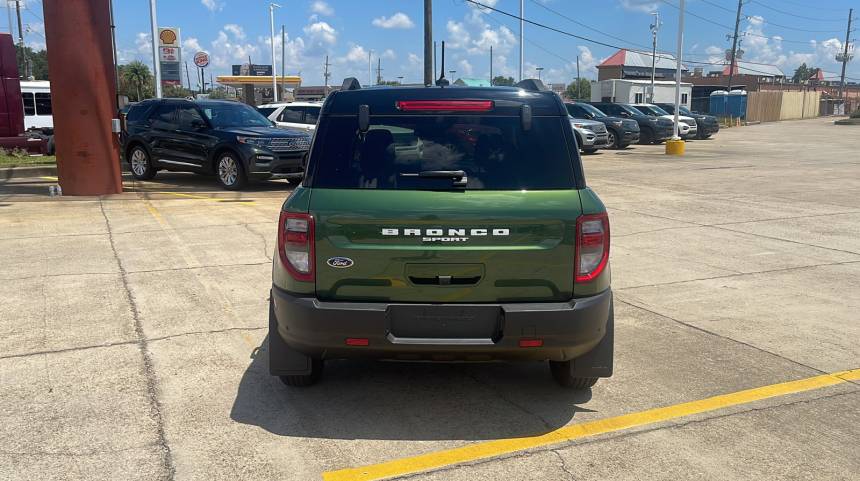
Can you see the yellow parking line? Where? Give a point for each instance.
(472, 452)
(48, 177)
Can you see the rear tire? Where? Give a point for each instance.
(588, 151)
(305, 380)
(561, 372)
(141, 163)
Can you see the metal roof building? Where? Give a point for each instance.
(635, 64)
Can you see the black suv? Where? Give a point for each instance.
(651, 130)
(622, 132)
(226, 138)
(708, 124)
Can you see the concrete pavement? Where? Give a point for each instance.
(132, 333)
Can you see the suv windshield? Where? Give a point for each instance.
(433, 153)
(233, 115)
(578, 110)
(651, 110)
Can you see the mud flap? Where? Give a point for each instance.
(283, 360)
(598, 361)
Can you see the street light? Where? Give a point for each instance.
(539, 70)
(400, 80)
(272, 7)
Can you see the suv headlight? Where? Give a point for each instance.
(618, 123)
(262, 142)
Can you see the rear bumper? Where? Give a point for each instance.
(319, 329)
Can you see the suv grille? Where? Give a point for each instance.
(289, 144)
(596, 128)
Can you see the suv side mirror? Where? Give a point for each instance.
(198, 124)
(625, 114)
(588, 116)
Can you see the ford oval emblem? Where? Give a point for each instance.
(339, 262)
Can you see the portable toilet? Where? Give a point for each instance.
(719, 103)
(738, 103)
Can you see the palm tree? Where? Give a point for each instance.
(137, 73)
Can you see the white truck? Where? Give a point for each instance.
(38, 114)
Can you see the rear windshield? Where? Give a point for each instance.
(494, 153)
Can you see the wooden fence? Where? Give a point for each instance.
(770, 106)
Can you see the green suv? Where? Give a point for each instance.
(447, 224)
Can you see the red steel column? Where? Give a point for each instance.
(83, 94)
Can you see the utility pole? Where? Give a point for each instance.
(187, 75)
(522, 39)
(369, 68)
(845, 58)
(539, 71)
(272, 7)
(378, 71)
(678, 68)
(491, 65)
(156, 65)
(428, 41)
(23, 71)
(655, 27)
(9, 14)
(578, 95)
(326, 74)
(283, 52)
(734, 47)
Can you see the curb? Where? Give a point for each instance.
(13, 172)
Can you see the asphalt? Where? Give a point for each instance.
(133, 326)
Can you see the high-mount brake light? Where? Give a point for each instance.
(592, 246)
(296, 245)
(444, 105)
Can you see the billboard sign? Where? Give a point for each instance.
(253, 70)
(168, 37)
(168, 54)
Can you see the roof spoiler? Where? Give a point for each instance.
(532, 85)
(350, 83)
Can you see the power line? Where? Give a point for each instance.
(717, 5)
(804, 17)
(539, 4)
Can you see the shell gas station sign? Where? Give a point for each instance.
(170, 55)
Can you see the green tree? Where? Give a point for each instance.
(136, 77)
(176, 92)
(801, 74)
(584, 91)
(502, 81)
(218, 93)
(37, 62)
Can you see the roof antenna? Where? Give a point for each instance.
(442, 82)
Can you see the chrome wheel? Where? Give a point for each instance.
(139, 162)
(611, 140)
(228, 170)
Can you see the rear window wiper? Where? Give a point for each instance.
(458, 176)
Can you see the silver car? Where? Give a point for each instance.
(590, 135)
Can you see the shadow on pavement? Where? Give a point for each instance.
(360, 399)
(190, 183)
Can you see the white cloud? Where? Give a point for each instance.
(356, 55)
(388, 54)
(143, 43)
(191, 45)
(322, 8)
(236, 30)
(646, 6)
(464, 68)
(398, 20)
(321, 37)
(213, 5)
(415, 61)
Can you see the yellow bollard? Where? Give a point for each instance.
(674, 147)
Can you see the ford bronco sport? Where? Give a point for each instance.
(443, 223)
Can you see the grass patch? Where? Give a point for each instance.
(18, 158)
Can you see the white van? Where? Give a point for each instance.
(293, 115)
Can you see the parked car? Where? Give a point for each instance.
(295, 115)
(687, 127)
(590, 135)
(620, 132)
(486, 245)
(708, 124)
(229, 139)
(652, 130)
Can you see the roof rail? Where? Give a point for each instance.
(351, 83)
(531, 84)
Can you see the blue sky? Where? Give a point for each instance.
(781, 32)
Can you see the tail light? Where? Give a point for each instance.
(445, 105)
(296, 245)
(592, 246)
